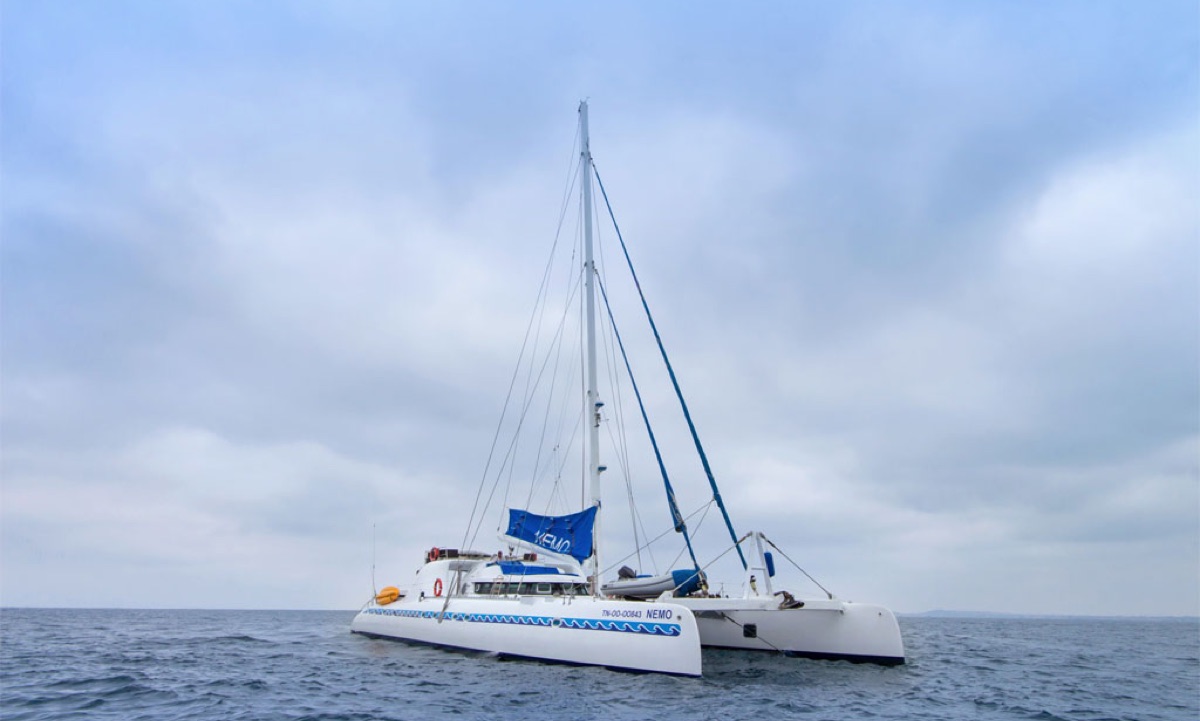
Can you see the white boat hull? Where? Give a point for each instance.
(831, 630)
(659, 638)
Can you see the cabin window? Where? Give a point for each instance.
(513, 588)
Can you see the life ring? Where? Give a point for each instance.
(435, 554)
(437, 585)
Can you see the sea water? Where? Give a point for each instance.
(127, 664)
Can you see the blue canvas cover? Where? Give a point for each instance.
(686, 581)
(566, 535)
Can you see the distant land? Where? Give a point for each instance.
(943, 613)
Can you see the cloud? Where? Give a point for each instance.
(190, 514)
(928, 279)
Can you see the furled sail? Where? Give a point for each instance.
(569, 535)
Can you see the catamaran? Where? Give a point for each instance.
(543, 596)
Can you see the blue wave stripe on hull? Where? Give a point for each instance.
(595, 624)
(584, 624)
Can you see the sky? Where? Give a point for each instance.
(928, 273)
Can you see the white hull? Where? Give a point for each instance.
(660, 638)
(832, 630)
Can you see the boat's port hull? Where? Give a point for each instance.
(827, 630)
(631, 636)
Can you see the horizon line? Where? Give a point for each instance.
(933, 613)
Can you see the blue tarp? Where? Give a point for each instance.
(686, 581)
(566, 535)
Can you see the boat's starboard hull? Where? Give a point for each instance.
(830, 630)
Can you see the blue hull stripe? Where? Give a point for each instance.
(586, 624)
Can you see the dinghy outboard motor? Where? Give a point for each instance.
(789, 601)
(626, 573)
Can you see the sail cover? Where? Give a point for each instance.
(565, 535)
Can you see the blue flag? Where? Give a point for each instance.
(566, 535)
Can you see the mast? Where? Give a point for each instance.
(593, 395)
